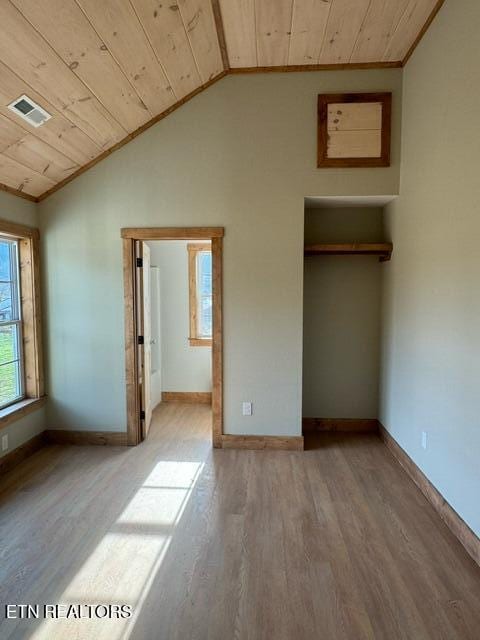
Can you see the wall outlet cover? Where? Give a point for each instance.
(247, 408)
(5, 442)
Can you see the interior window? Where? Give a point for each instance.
(204, 294)
(200, 293)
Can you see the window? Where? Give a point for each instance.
(11, 362)
(21, 365)
(200, 290)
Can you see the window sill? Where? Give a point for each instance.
(200, 342)
(20, 409)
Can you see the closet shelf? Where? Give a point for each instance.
(381, 249)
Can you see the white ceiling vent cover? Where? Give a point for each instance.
(29, 110)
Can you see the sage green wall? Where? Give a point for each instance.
(184, 368)
(431, 341)
(341, 320)
(21, 211)
(242, 155)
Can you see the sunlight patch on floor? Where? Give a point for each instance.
(123, 565)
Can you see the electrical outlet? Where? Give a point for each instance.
(424, 439)
(5, 442)
(247, 408)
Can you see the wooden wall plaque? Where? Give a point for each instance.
(354, 129)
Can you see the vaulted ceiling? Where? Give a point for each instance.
(107, 69)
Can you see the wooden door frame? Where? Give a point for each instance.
(129, 237)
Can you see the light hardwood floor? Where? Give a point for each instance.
(334, 543)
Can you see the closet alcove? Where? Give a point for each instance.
(344, 255)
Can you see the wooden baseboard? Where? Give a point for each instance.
(282, 443)
(340, 424)
(187, 397)
(110, 438)
(21, 453)
(454, 522)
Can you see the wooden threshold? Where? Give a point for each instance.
(454, 522)
(381, 249)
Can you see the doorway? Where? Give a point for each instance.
(139, 341)
(344, 251)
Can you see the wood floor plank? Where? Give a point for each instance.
(335, 542)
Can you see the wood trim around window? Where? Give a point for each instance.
(194, 248)
(29, 259)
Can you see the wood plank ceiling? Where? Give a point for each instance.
(107, 70)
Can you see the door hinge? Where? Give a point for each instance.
(142, 415)
(141, 340)
(140, 262)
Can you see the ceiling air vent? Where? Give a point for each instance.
(29, 110)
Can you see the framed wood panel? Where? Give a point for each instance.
(354, 129)
(131, 301)
(107, 71)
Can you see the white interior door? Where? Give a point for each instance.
(145, 334)
(156, 382)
